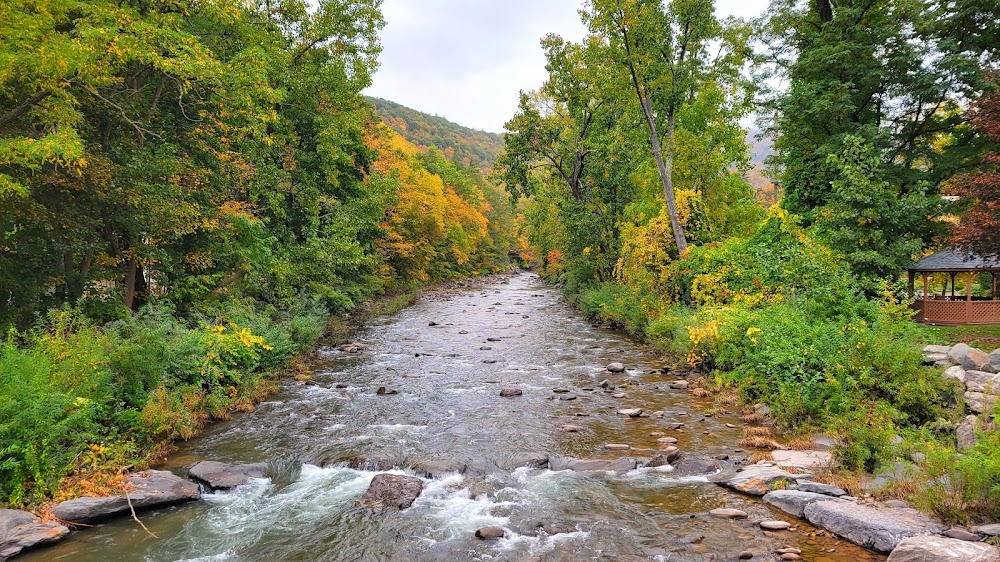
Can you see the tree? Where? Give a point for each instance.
(979, 229)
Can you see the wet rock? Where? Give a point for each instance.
(817, 488)
(966, 433)
(617, 447)
(680, 385)
(794, 502)
(745, 555)
(569, 428)
(875, 528)
(790, 556)
(657, 414)
(657, 461)
(386, 391)
(20, 530)
(222, 476)
(530, 460)
(619, 395)
(621, 465)
(688, 466)
(775, 525)
(151, 488)
(492, 532)
(560, 390)
(955, 372)
(391, 491)
(489, 361)
(436, 468)
(494, 339)
(380, 464)
(605, 384)
(630, 412)
(485, 348)
(567, 398)
(691, 539)
(725, 513)
(667, 440)
(674, 425)
(432, 323)
(616, 367)
(508, 392)
(463, 332)
(756, 479)
(962, 535)
(942, 549)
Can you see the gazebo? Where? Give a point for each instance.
(947, 308)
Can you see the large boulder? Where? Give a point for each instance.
(955, 372)
(966, 433)
(980, 402)
(958, 353)
(619, 465)
(943, 549)
(975, 360)
(148, 489)
(981, 381)
(794, 502)
(995, 361)
(817, 488)
(391, 491)
(20, 530)
(876, 528)
(222, 476)
(756, 479)
(802, 460)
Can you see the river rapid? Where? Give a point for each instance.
(449, 421)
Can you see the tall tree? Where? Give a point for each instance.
(979, 229)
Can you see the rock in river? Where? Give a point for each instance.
(151, 488)
(794, 502)
(224, 476)
(756, 479)
(391, 491)
(941, 549)
(621, 465)
(508, 392)
(723, 513)
(876, 528)
(631, 412)
(492, 532)
(20, 530)
(616, 367)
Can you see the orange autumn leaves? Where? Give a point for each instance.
(430, 230)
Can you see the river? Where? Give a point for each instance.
(449, 420)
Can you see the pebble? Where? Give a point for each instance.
(507, 392)
(567, 397)
(775, 525)
(670, 440)
(656, 434)
(730, 426)
(746, 555)
(725, 513)
(790, 556)
(617, 447)
(619, 395)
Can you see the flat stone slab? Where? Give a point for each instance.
(724, 513)
(151, 488)
(942, 549)
(620, 465)
(875, 528)
(817, 488)
(222, 476)
(801, 459)
(794, 502)
(756, 479)
(20, 530)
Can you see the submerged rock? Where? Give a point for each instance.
(942, 549)
(876, 528)
(509, 392)
(386, 391)
(151, 488)
(620, 465)
(391, 491)
(221, 476)
(20, 530)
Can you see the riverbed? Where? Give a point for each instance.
(448, 356)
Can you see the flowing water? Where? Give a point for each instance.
(449, 420)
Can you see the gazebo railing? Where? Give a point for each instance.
(956, 312)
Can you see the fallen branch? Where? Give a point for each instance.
(134, 516)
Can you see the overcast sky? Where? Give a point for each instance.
(466, 60)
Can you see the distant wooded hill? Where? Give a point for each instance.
(462, 145)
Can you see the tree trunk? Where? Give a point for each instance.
(666, 170)
(130, 272)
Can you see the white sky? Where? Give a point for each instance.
(466, 60)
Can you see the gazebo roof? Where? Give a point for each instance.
(952, 259)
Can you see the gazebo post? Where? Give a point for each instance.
(927, 283)
(968, 297)
(952, 284)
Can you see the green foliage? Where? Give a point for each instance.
(964, 488)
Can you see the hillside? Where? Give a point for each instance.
(462, 145)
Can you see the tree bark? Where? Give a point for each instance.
(130, 273)
(666, 170)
